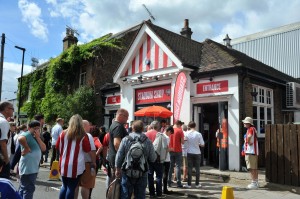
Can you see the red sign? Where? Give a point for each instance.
(112, 100)
(178, 95)
(153, 95)
(212, 87)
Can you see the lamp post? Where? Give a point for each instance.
(20, 90)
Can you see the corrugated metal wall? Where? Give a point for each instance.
(281, 51)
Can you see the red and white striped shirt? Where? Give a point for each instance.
(71, 160)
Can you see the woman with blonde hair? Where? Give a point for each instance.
(72, 143)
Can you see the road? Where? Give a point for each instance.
(46, 189)
(212, 188)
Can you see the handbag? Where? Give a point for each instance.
(113, 190)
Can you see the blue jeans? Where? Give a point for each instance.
(193, 161)
(131, 185)
(68, 187)
(27, 185)
(158, 169)
(176, 158)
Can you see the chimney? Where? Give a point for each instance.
(186, 31)
(227, 41)
(69, 39)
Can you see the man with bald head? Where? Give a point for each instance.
(117, 132)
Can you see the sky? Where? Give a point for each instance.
(39, 25)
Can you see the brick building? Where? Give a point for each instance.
(204, 82)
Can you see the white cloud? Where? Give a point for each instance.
(31, 14)
(12, 71)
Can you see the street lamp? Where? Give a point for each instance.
(20, 90)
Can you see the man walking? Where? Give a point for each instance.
(176, 140)
(134, 181)
(6, 111)
(251, 151)
(117, 132)
(56, 131)
(156, 166)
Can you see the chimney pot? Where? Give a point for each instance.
(227, 41)
(186, 30)
(186, 23)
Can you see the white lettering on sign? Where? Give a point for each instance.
(212, 87)
(145, 95)
(114, 99)
(159, 93)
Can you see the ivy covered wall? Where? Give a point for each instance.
(53, 91)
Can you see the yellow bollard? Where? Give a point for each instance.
(227, 193)
(54, 172)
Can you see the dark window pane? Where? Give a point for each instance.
(269, 114)
(261, 113)
(254, 112)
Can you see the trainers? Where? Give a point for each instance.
(198, 186)
(187, 186)
(179, 186)
(253, 185)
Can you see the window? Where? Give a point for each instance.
(263, 111)
(82, 77)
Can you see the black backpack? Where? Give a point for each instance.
(135, 164)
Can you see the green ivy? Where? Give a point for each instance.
(53, 90)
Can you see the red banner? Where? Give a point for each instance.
(153, 95)
(212, 87)
(178, 95)
(112, 100)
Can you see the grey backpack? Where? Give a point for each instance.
(135, 164)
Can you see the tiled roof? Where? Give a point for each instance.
(216, 56)
(187, 51)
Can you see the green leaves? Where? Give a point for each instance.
(53, 90)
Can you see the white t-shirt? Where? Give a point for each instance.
(55, 132)
(87, 157)
(168, 153)
(185, 145)
(194, 139)
(4, 125)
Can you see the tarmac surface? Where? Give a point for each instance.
(213, 181)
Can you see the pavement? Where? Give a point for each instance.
(213, 181)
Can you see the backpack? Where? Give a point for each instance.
(160, 145)
(135, 164)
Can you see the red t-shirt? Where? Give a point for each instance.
(175, 140)
(151, 135)
(97, 142)
(106, 140)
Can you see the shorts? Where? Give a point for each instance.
(87, 180)
(184, 160)
(251, 161)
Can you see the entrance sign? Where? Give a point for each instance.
(178, 95)
(152, 95)
(113, 100)
(212, 87)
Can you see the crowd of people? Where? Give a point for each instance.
(134, 155)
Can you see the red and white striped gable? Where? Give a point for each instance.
(148, 51)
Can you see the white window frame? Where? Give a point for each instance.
(261, 101)
(82, 77)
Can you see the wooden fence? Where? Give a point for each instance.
(282, 152)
